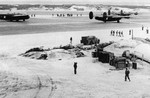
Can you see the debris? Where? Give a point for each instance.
(90, 40)
(66, 47)
(119, 62)
(68, 51)
(105, 57)
(37, 49)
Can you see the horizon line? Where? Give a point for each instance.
(74, 4)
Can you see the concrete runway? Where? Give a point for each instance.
(63, 24)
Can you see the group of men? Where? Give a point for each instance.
(66, 15)
(32, 15)
(147, 30)
(131, 32)
(116, 33)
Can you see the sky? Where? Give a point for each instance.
(135, 2)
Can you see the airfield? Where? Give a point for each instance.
(54, 78)
(47, 23)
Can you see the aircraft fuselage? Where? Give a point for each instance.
(104, 19)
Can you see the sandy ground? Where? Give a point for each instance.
(47, 23)
(29, 78)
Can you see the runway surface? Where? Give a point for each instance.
(63, 24)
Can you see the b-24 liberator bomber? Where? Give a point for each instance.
(14, 17)
(107, 17)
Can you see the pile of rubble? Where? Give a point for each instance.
(61, 52)
(67, 51)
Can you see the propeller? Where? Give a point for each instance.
(91, 15)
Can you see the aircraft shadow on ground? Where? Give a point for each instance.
(105, 23)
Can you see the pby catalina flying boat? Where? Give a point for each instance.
(107, 17)
(14, 17)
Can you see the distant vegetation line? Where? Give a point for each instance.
(27, 6)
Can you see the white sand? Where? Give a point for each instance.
(55, 79)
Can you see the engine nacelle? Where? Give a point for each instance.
(91, 15)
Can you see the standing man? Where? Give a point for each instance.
(147, 31)
(117, 33)
(113, 33)
(75, 67)
(70, 40)
(127, 72)
(122, 33)
(129, 32)
(142, 27)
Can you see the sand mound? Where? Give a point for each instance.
(126, 44)
(46, 54)
(60, 54)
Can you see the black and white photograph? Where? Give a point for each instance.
(74, 48)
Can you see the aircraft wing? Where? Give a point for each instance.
(117, 16)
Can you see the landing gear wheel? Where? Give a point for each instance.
(118, 21)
